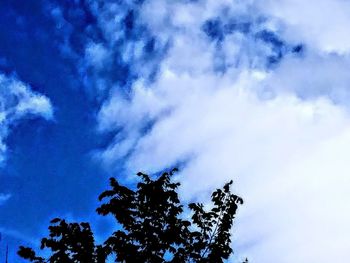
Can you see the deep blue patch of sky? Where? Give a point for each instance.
(49, 171)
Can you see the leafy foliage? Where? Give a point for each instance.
(153, 228)
(68, 242)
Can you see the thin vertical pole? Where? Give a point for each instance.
(7, 253)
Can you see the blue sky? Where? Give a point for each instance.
(48, 169)
(244, 90)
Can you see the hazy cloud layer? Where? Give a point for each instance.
(322, 24)
(239, 90)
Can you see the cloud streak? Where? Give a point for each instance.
(17, 102)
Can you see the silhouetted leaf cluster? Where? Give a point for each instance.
(68, 242)
(153, 228)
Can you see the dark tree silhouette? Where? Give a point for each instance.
(69, 242)
(153, 227)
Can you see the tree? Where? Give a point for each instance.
(153, 227)
(68, 242)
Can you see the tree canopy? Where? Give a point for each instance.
(154, 227)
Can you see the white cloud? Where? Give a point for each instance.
(281, 133)
(17, 101)
(323, 24)
(312, 76)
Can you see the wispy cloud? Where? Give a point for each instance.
(17, 102)
(239, 90)
(4, 198)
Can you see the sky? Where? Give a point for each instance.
(254, 91)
